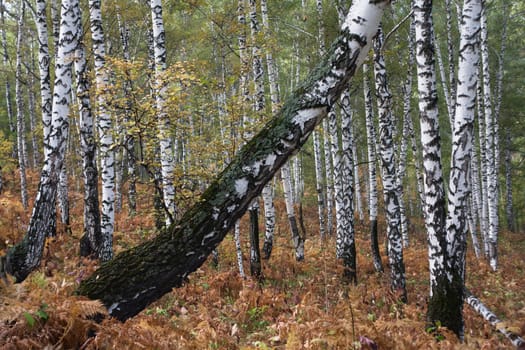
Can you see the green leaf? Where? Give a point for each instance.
(29, 319)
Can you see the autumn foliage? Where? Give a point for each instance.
(299, 305)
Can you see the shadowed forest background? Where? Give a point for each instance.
(158, 99)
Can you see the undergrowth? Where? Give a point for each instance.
(299, 305)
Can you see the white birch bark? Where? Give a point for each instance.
(499, 87)
(20, 116)
(490, 145)
(91, 242)
(328, 171)
(258, 109)
(488, 315)
(346, 241)
(43, 67)
(388, 172)
(459, 184)
(5, 61)
(434, 206)
(167, 157)
(372, 175)
(337, 166)
(244, 100)
(407, 94)
(104, 126)
(484, 217)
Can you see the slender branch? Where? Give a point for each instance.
(395, 29)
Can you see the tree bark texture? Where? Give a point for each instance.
(135, 278)
(372, 177)
(388, 172)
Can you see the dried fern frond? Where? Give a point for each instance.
(87, 308)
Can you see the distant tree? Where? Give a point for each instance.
(20, 111)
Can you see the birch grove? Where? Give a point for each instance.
(207, 111)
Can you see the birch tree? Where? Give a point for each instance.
(26, 255)
(5, 61)
(388, 172)
(91, 242)
(297, 240)
(434, 208)
(20, 115)
(459, 183)
(43, 68)
(490, 146)
(372, 177)
(104, 126)
(167, 159)
(171, 256)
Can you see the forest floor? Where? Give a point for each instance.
(299, 305)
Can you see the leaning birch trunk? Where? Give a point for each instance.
(135, 278)
(372, 175)
(105, 132)
(167, 157)
(26, 255)
(388, 172)
(20, 119)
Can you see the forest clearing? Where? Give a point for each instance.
(298, 305)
